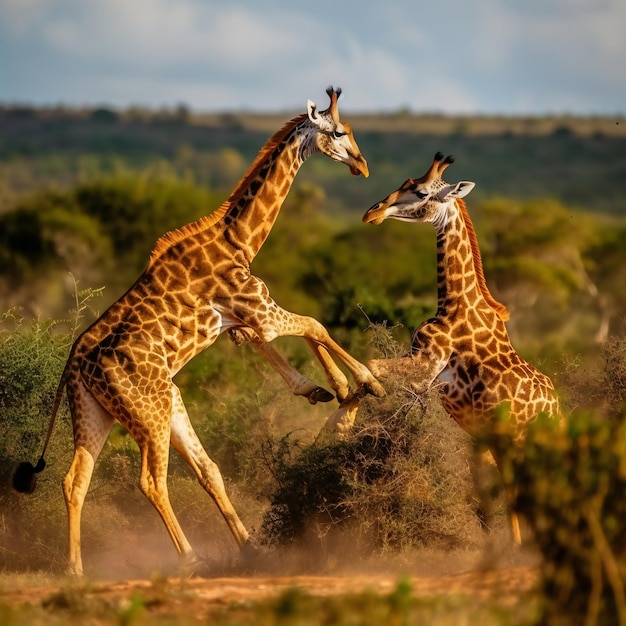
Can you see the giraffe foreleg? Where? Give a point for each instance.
(334, 375)
(274, 321)
(285, 324)
(297, 383)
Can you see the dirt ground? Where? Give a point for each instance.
(199, 596)
(206, 593)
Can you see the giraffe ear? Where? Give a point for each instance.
(460, 190)
(311, 109)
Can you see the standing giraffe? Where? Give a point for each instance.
(465, 347)
(197, 285)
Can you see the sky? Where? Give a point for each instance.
(504, 57)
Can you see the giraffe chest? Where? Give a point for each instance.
(473, 391)
(463, 393)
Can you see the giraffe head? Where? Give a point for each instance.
(422, 199)
(333, 137)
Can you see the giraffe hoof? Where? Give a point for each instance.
(376, 389)
(252, 558)
(74, 571)
(249, 550)
(319, 394)
(191, 565)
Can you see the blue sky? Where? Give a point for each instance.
(453, 56)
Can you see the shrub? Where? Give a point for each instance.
(400, 480)
(570, 487)
(31, 362)
(570, 484)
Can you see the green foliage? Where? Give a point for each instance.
(99, 230)
(354, 288)
(570, 487)
(134, 211)
(49, 230)
(32, 357)
(569, 484)
(605, 261)
(533, 258)
(537, 241)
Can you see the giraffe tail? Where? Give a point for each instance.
(25, 475)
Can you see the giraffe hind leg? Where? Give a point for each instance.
(91, 428)
(144, 408)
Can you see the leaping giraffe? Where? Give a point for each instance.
(197, 285)
(465, 346)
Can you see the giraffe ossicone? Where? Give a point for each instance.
(465, 347)
(197, 285)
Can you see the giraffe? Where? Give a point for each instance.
(197, 285)
(465, 347)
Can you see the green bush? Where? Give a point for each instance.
(32, 357)
(570, 483)
(97, 226)
(570, 486)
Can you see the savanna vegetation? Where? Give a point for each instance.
(83, 197)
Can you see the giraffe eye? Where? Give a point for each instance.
(421, 194)
(337, 134)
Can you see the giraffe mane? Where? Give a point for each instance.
(172, 237)
(498, 307)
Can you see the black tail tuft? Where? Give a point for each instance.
(24, 478)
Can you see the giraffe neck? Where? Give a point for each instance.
(247, 216)
(460, 278)
(255, 205)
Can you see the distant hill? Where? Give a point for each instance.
(580, 161)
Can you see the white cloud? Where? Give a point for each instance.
(485, 56)
(18, 17)
(148, 34)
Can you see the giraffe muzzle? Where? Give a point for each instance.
(359, 166)
(376, 214)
